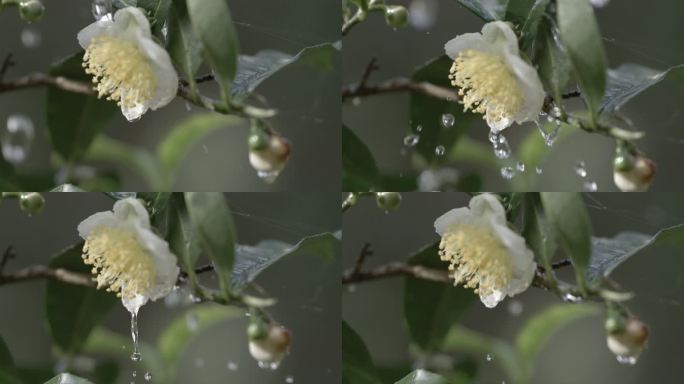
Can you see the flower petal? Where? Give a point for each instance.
(86, 226)
(446, 220)
(167, 78)
(131, 211)
(500, 34)
(488, 206)
(464, 42)
(85, 35)
(165, 262)
(491, 300)
(530, 86)
(131, 20)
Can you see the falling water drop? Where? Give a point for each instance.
(515, 307)
(419, 128)
(269, 177)
(448, 120)
(199, 362)
(538, 170)
(134, 374)
(520, 166)
(133, 306)
(500, 145)
(489, 357)
(232, 366)
(549, 136)
(102, 10)
(507, 172)
(590, 186)
(191, 321)
(572, 298)
(440, 150)
(411, 140)
(16, 138)
(30, 38)
(628, 360)
(148, 376)
(289, 379)
(581, 169)
(423, 13)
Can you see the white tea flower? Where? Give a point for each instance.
(272, 347)
(127, 65)
(483, 252)
(637, 177)
(492, 77)
(127, 256)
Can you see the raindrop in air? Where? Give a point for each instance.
(191, 321)
(500, 144)
(423, 13)
(411, 140)
(289, 379)
(199, 362)
(628, 360)
(489, 357)
(507, 173)
(232, 366)
(550, 135)
(590, 186)
(148, 376)
(134, 374)
(419, 129)
(515, 307)
(520, 166)
(538, 170)
(572, 298)
(102, 10)
(188, 106)
(356, 101)
(30, 38)
(269, 366)
(269, 177)
(16, 138)
(448, 120)
(440, 150)
(581, 169)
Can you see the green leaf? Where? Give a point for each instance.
(488, 10)
(363, 4)
(213, 24)
(250, 260)
(537, 231)
(136, 159)
(554, 62)
(67, 378)
(431, 308)
(517, 11)
(74, 120)
(629, 80)
(421, 376)
(161, 12)
(570, 222)
(581, 37)
(182, 239)
(178, 336)
(539, 329)
(213, 222)
(461, 339)
(359, 171)
(425, 116)
(177, 144)
(530, 20)
(73, 311)
(357, 363)
(608, 253)
(182, 43)
(253, 70)
(6, 361)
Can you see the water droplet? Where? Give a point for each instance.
(556, 112)
(195, 299)
(351, 288)
(17, 138)
(507, 173)
(581, 169)
(549, 118)
(423, 13)
(31, 38)
(135, 356)
(102, 9)
(549, 136)
(148, 376)
(199, 362)
(590, 186)
(489, 357)
(572, 298)
(411, 140)
(188, 106)
(191, 321)
(289, 379)
(134, 374)
(419, 129)
(538, 170)
(520, 166)
(628, 360)
(448, 120)
(440, 150)
(356, 101)
(500, 144)
(269, 366)
(515, 307)
(232, 366)
(269, 177)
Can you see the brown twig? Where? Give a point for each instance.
(6, 256)
(37, 272)
(366, 251)
(399, 84)
(6, 64)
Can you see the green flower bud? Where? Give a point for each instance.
(388, 201)
(615, 324)
(623, 163)
(628, 344)
(31, 203)
(257, 330)
(258, 140)
(396, 16)
(31, 10)
(272, 348)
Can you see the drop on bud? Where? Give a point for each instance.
(31, 10)
(396, 16)
(388, 201)
(626, 338)
(31, 203)
(271, 347)
(633, 173)
(269, 154)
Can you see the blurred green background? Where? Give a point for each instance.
(308, 99)
(307, 290)
(577, 354)
(634, 32)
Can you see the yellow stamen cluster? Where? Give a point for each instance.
(476, 257)
(121, 72)
(486, 84)
(119, 262)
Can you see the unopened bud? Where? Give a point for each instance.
(272, 348)
(396, 16)
(633, 174)
(257, 330)
(31, 10)
(388, 201)
(270, 159)
(628, 341)
(31, 203)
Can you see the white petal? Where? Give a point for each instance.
(167, 78)
(131, 211)
(132, 21)
(446, 220)
(530, 86)
(86, 226)
(491, 300)
(164, 262)
(500, 34)
(464, 42)
(488, 206)
(85, 35)
(134, 113)
(497, 125)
